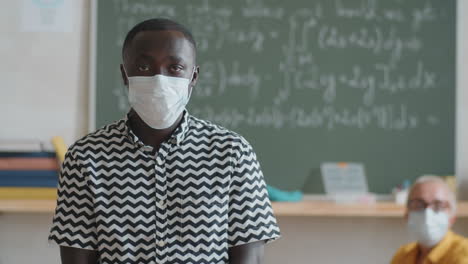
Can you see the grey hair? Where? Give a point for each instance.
(441, 181)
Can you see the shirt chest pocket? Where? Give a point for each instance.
(201, 216)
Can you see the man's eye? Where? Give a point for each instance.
(176, 68)
(143, 68)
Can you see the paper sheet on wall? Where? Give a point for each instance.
(343, 177)
(47, 16)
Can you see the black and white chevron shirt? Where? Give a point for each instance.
(201, 193)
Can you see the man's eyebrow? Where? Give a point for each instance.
(440, 201)
(172, 58)
(424, 201)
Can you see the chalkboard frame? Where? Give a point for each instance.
(92, 67)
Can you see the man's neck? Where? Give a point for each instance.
(423, 253)
(148, 135)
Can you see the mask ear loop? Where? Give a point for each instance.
(126, 88)
(191, 87)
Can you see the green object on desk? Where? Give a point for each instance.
(278, 195)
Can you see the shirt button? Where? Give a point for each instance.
(161, 203)
(161, 243)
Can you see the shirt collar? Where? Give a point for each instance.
(436, 253)
(181, 131)
(176, 138)
(442, 248)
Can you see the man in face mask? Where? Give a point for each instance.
(431, 212)
(161, 186)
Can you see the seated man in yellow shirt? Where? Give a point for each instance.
(431, 211)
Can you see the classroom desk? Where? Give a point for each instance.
(331, 209)
(304, 208)
(328, 208)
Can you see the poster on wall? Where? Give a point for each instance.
(46, 16)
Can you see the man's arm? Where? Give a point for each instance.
(74, 219)
(70, 255)
(251, 253)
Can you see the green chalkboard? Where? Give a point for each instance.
(307, 82)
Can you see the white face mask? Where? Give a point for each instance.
(427, 226)
(158, 100)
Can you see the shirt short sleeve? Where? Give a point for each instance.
(73, 223)
(251, 217)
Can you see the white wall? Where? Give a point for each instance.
(43, 77)
(43, 84)
(35, 84)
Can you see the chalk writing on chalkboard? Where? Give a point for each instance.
(311, 33)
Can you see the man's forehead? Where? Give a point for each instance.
(430, 190)
(169, 40)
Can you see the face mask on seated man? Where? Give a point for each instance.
(430, 213)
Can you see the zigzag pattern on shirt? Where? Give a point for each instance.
(204, 195)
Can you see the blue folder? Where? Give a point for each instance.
(41, 154)
(30, 178)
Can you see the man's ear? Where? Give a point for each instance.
(452, 220)
(194, 80)
(124, 75)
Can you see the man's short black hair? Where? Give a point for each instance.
(157, 24)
